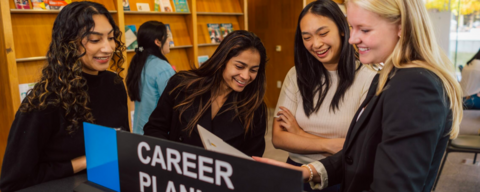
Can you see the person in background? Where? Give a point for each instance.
(471, 83)
(46, 139)
(321, 94)
(149, 71)
(225, 96)
(399, 134)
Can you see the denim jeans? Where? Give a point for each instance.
(473, 102)
(308, 188)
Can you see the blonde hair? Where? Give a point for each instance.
(417, 44)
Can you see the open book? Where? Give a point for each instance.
(213, 143)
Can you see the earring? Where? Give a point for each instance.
(378, 67)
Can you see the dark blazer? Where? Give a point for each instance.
(400, 138)
(164, 122)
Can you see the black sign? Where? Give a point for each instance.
(150, 164)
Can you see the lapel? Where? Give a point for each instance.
(224, 125)
(370, 101)
(205, 120)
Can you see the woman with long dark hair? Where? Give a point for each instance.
(471, 83)
(321, 94)
(149, 71)
(46, 138)
(225, 96)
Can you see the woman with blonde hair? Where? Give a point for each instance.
(414, 106)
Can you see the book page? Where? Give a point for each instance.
(213, 143)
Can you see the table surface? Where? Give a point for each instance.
(64, 184)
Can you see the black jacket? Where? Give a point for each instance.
(400, 138)
(164, 122)
(39, 148)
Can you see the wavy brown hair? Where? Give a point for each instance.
(208, 79)
(62, 84)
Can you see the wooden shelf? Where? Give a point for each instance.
(219, 13)
(26, 11)
(31, 59)
(154, 13)
(176, 47)
(208, 44)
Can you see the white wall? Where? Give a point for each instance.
(441, 23)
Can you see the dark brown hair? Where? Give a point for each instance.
(209, 77)
(62, 84)
(147, 34)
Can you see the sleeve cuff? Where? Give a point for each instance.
(322, 172)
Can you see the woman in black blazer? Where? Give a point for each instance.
(225, 96)
(399, 134)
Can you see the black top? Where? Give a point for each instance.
(164, 122)
(39, 148)
(400, 138)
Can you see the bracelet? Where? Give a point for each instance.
(311, 172)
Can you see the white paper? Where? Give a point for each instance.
(143, 7)
(165, 6)
(213, 143)
(130, 37)
(23, 88)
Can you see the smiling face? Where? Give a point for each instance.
(241, 70)
(99, 46)
(322, 39)
(374, 36)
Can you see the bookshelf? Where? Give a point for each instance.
(26, 36)
(218, 11)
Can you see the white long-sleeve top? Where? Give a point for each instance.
(324, 123)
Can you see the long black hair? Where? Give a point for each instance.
(62, 83)
(208, 78)
(476, 56)
(146, 36)
(311, 72)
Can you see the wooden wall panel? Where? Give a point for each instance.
(222, 6)
(203, 20)
(275, 21)
(306, 2)
(177, 24)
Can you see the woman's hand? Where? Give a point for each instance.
(79, 164)
(305, 171)
(287, 121)
(334, 145)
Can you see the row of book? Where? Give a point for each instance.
(160, 5)
(41, 4)
(218, 32)
(181, 6)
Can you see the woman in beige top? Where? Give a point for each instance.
(321, 94)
